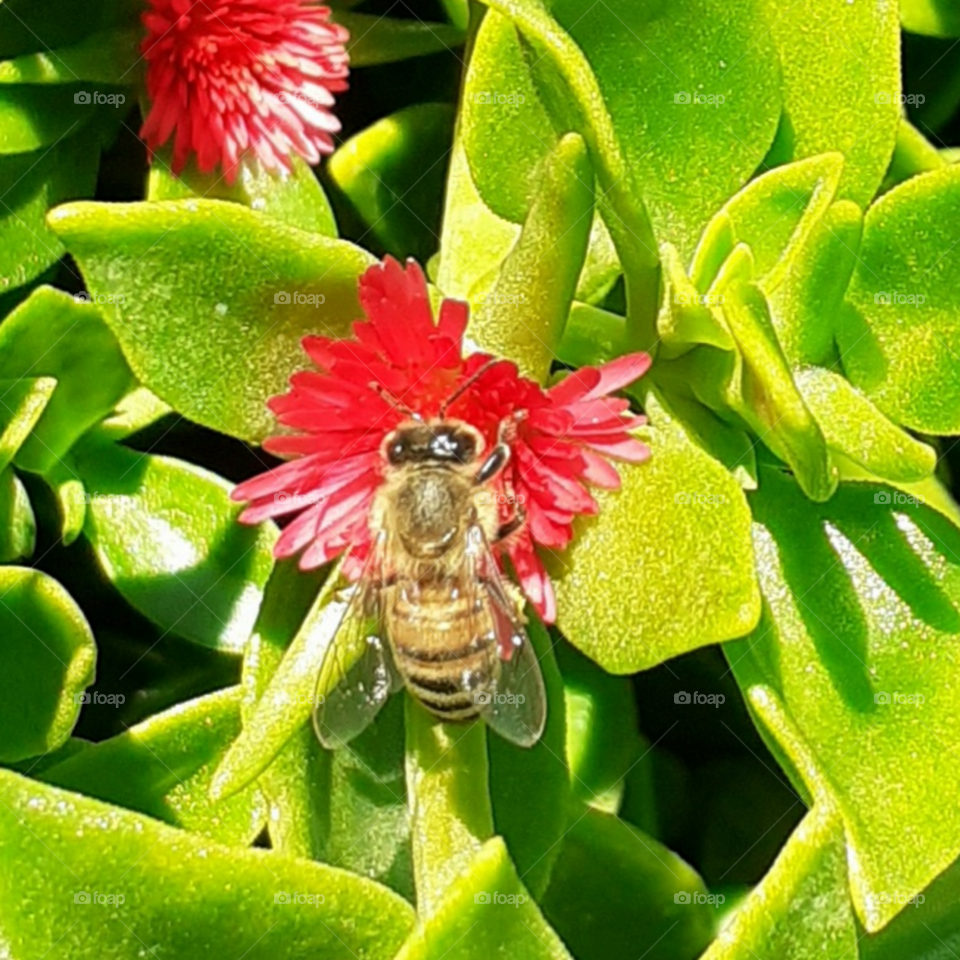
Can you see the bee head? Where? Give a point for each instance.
(443, 441)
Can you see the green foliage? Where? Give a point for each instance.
(753, 193)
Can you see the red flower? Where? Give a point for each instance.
(561, 441)
(242, 77)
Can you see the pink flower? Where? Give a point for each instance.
(242, 77)
(561, 439)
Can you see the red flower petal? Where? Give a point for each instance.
(249, 77)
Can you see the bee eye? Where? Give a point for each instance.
(396, 451)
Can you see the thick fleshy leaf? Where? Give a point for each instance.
(173, 890)
(30, 184)
(855, 427)
(622, 594)
(215, 299)
(801, 909)
(378, 39)
(850, 671)
(602, 742)
(717, 56)
(392, 174)
(900, 337)
(162, 767)
(51, 334)
(108, 57)
(167, 536)
(18, 525)
(485, 912)
(616, 892)
(913, 154)
(530, 787)
(296, 783)
(22, 401)
(521, 312)
(286, 704)
(32, 117)
(835, 99)
(296, 199)
(451, 820)
(934, 18)
(49, 658)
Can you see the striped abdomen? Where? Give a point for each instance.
(444, 645)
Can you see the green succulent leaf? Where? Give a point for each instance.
(450, 814)
(900, 336)
(49, 660)
(530, 787)
(934, 18)
(162, 767)
(286, 703)
(108, 56)
(472, 919)
(18, 525)
(167, 536)
(32, 117)
(913, 154)
(616, 891)
(801, 909)
(855, 427)
(391, 174)
(53, 335)
(215, 299)
(835, 98)
(173, 888)
(849, 671)
(22, 402)
(622, 585)
(523, 309)
(377, 39)
(297, 782)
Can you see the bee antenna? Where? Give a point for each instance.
(466, 385)
(394, 402)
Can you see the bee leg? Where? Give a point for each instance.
(493, 464)
(512, 525)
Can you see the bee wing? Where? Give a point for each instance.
(358, 672)
(515, 703)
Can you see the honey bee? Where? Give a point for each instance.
(431, 612)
